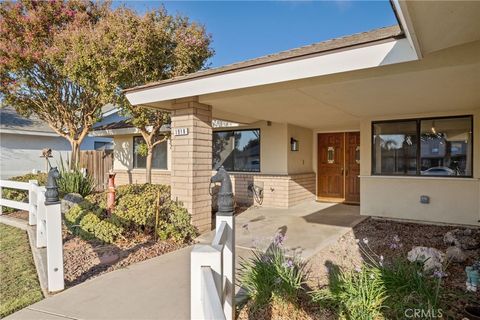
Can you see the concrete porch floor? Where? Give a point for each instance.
(309, 226)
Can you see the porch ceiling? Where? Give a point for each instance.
(446, 80)
(441, 24)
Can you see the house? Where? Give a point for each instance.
(389, 119)
(23, 139)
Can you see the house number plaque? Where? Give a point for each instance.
(180, 131)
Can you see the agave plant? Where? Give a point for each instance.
(75, 180)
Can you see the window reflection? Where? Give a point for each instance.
(446, 148)
(237, 150)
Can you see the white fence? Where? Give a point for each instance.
(212, 291)
(48, 221)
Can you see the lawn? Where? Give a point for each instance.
(19, 286)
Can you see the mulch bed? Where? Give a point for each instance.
(84, 260)
(346, 255)
(20, 214)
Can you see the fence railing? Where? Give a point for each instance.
(30, 206)
(48, 221)
(212, 290)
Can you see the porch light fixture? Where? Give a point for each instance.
(293, 144)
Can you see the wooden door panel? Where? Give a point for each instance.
(331, 165)
(352, 167)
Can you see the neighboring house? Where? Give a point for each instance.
(23, 139)
(389, 119)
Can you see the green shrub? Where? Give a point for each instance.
(174, 223)
(22, 195)
(356, 295)
(75, 181)
(135, 211)
(87, 221)
(137, 203)
(272, 275)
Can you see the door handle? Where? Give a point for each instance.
(343, 171)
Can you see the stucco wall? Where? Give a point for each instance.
(452, 200)
(20, 153)
(300, 161)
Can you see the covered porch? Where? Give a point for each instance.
(339, 86)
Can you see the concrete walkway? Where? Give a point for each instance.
(160, 287)
(309, 226)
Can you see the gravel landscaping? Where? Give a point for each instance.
(388, 239)
(85, 260)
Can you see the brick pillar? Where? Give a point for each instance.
(191, 162)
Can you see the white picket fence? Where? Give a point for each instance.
(48, 222)
(212, 291)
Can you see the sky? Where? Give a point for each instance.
(244, 30)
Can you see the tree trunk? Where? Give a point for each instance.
(149, 165)
(75, 158)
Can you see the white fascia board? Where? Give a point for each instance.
(113, 132)
(110, 112)
(29, 133)
(407, 25)
(395, 51)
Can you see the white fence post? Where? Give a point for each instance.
(228, 258)
(203, 255)
(54, 247)
(41, 219)
(32, 201)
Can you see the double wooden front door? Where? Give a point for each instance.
(339, 167)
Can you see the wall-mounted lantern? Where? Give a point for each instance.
(293, 144)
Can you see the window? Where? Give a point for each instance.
(159, 160)
(395, 145)
(101, 145)
(237, 150)
(423, 147)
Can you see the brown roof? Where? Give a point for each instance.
(313, 49)
(115, 125)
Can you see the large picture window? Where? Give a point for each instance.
(423, 147)
(237, 150)
(159, 160)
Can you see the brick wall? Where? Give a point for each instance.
(301, 187)
(279, 191)
(191, 163)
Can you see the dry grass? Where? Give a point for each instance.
(19, 286)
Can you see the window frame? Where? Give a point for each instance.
(418, 122)
(134, 160)
(259, 149)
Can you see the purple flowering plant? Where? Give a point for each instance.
(273, 273)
